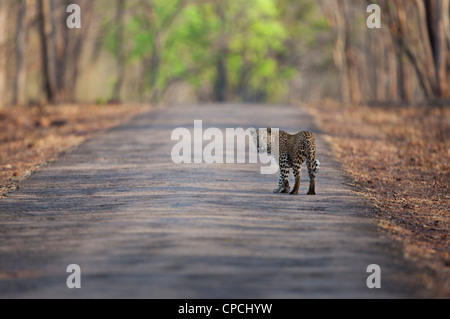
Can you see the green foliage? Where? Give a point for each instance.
(100, 101)
(178, 40)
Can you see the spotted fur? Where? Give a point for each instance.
(293, 151)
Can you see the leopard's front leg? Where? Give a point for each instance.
(283, 181)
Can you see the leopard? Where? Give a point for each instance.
(293, 150)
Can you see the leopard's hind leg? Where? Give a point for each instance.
(312, 171)
(296, 169)
(313, 165)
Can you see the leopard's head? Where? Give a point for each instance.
(262, 139)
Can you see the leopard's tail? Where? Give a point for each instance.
(316, 170)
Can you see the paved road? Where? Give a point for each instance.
(140, 226)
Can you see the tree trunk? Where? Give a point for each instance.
(351, 63)
(150, 65)
(352, 72)
(57, 66)
(404, 92)
(221, 83)
(440, 47)
(392, 88)
(446, 15)
(48, 85)
(435, 13)
(379, 69)
(419, 56)
(3, 52)
(429, 73)
(155, 63)
(71, 47)
(20, 76)
(120, 50)
(339, 52)
(244, 81)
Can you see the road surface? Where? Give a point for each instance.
(140, 226)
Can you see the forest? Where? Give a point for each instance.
(371, 78)
(270, 51)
